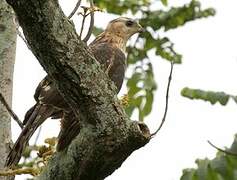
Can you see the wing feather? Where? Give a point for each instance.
(107, 54)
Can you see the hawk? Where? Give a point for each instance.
(108, 49)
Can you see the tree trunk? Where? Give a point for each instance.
(107, 136)
(7, 59)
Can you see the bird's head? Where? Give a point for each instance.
(124, 27)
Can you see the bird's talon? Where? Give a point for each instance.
(124, 100)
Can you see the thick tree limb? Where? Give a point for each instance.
(107, 137)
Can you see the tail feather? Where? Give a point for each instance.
(70, 128)
(36, 116)
(28, 114)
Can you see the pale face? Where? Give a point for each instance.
(124, 27)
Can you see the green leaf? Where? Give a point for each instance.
(141, 87)
(210, 96)
(137, 101)
(148, 105)
(129, 110)
(122, 6)
(133, 91)
(164, 48)
(96, 31)
(202, 170)
(135, 55)
(141, 115)
(176, 16)
(136, 77)
(222, 167)
(164, 2)
(234, 98)
(188, 174)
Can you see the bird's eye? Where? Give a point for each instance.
(129, 23)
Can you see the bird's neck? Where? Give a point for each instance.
(115, 39)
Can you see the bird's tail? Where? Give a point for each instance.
(34, 117)
(70, 128)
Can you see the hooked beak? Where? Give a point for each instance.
(141, 29)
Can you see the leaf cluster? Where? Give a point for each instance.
(210, 96)
(222, 167)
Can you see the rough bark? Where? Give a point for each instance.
(7, 59)
(107, 136)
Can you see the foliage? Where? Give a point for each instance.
(44, 152)
(141, 88)
(222, 167)
(210, 96)
(121, 6)
(34, 166)
(141, 84)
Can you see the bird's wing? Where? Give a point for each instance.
(47, 93)
(49, 103)
(112, 60)
(45, 82)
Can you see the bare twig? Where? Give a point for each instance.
(75, 9)
(10, 111)
(167, 99)
(28, 170)
(88, 35)
(84, 15)
(221, 150)
(38, 135)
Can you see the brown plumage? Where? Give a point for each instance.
(109, 50)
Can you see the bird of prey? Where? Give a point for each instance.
(108, 49)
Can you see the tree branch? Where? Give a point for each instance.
(84, 15)
(107, 136)
(10, 111)
(38, 135)
(88, 35)
(166, 99)
(75, 9)
(222, 150)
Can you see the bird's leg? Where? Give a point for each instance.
(124, 100)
